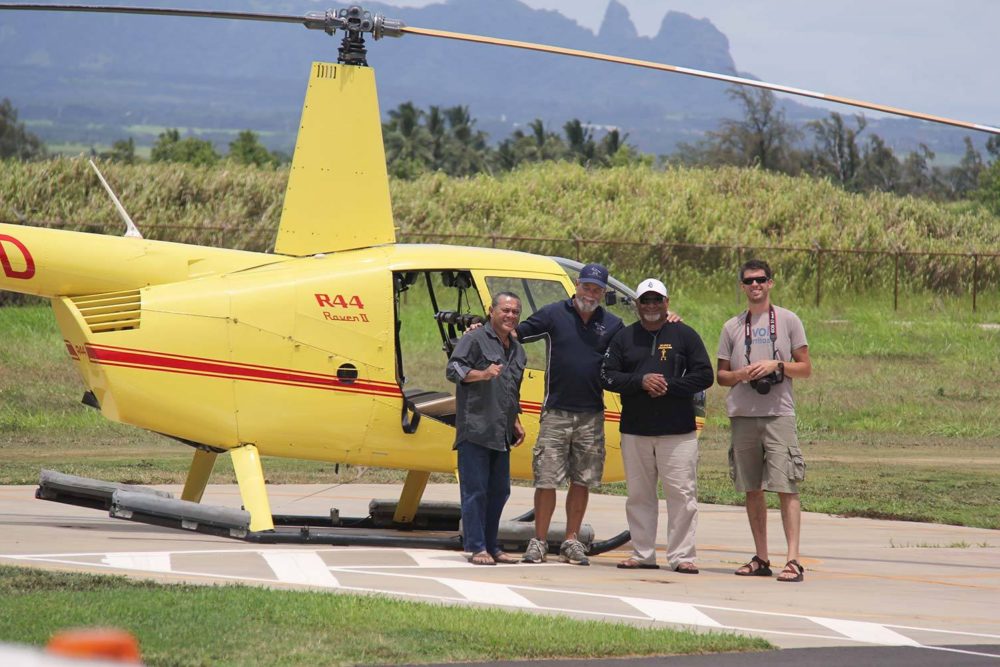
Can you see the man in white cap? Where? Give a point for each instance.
(658, 366)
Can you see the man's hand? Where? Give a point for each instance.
(491, 371)
(673, 317)
(518, 433)
(762, 368)
(654, 384)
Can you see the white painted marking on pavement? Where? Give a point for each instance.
(672, 612)
(154, 561)
(300, 567)
(871, 633)
(478, 591)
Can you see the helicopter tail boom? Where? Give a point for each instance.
(57, 263)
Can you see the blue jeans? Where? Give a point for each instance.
(484, 482)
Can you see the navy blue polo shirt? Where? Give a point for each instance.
(575, 352)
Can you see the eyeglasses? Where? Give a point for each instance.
(760, 280)
(646, 300)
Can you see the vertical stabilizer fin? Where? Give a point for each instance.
(338, 188)
(130, 229)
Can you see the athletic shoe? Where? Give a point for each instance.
(572, 551)
(536, 551)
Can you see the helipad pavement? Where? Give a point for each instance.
(868, 582)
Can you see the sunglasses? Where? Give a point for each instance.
(646, 300)
(760, 280)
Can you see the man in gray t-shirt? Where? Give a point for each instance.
(761, 350)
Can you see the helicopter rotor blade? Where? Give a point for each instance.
(160, 11)
(648, 64)
(379, 26)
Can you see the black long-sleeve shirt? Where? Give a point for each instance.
(677, 353)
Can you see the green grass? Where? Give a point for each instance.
(898, 420)
(240, 625)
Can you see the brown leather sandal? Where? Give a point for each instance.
(502, 558)
(756, 567)
(482, 558)
(793, 572)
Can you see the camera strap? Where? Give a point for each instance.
(772, 328)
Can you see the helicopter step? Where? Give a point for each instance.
(438, 522)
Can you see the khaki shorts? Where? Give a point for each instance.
(570, 444)
(765, 454)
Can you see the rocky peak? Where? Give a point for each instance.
(617, 25)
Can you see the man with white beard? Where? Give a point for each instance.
(571, 431)
(658, 366)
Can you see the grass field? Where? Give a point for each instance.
(899, 420)
(240, 625)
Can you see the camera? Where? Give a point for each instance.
(763, 385)
(460, 320)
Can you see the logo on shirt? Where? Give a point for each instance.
(663, 347)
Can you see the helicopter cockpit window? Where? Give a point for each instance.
(433, 309)
(534, 295)
(620, 299)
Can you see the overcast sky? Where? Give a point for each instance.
(934, 56)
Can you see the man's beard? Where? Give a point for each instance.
(652, 319)
(585, 307)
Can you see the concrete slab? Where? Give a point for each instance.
(868, 582)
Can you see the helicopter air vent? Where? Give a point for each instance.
(326, 71)
(112, 311)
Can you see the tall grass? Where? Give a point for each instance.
(597, 208)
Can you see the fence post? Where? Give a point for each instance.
(579, 252)
(895, 285)
(975, 279)
(819, 274)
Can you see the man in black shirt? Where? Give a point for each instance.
(570, 441)
(658, 366)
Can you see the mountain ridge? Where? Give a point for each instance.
(97, 78)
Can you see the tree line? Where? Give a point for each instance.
(446, 139)
(842, 152)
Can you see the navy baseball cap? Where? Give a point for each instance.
(595, 274)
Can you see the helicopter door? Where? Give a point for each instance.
(433, 309)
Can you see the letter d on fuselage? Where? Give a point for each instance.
(15, 259)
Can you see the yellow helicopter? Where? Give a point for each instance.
(315, 351)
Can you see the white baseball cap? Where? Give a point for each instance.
(651, 285)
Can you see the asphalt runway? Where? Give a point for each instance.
(927, 590)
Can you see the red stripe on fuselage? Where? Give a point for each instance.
(154, 361)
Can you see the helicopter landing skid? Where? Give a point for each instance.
(438, 523)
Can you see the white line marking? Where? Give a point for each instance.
(870, 633)
(672, 612)
(863, 632)
(300, 567)
(478, 591)
(154, 561)
(436, 559)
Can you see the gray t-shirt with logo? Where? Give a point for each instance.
(743, 400)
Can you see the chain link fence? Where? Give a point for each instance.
(971, 279)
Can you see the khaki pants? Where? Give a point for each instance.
(673, 460)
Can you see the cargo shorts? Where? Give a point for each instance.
(764, 455)
(570, 445)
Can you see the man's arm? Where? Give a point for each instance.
(729, 378)
(614, 377)
(464, 359)
(698, 374)
(536, 326)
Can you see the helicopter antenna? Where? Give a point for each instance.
(130, 229)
